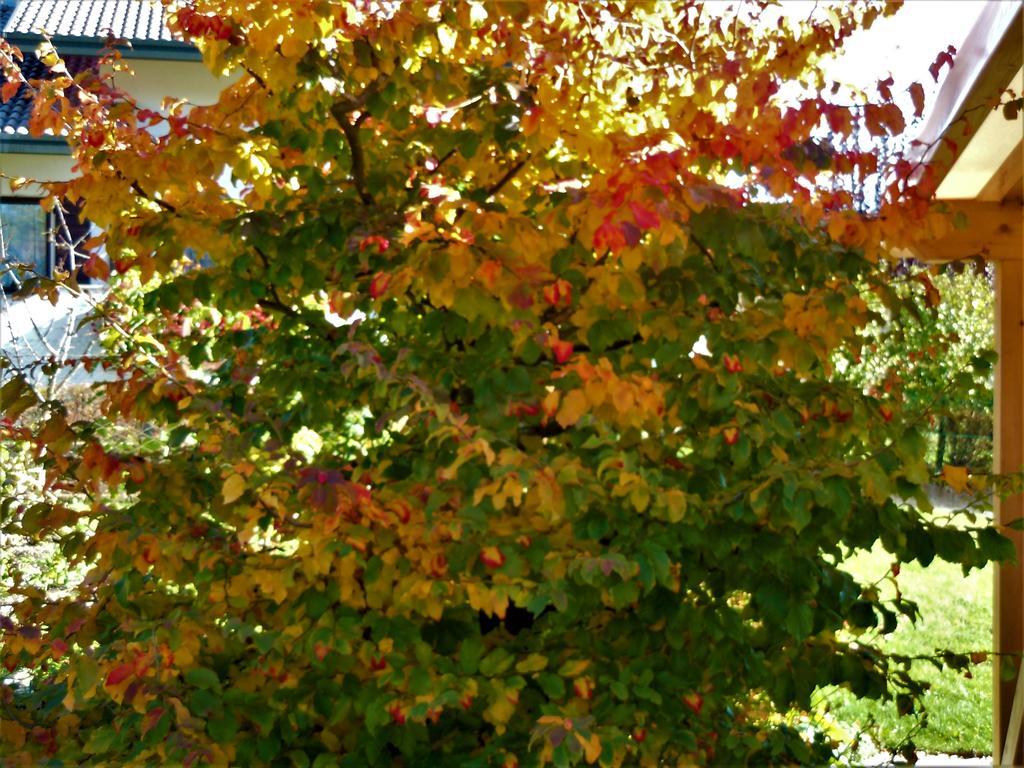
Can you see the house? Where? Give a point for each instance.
(81, 31)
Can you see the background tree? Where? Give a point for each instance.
(441, 477)
(929, 356)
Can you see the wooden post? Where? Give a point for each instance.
(1008, 593)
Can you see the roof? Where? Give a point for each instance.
(986, 64)
(79, 29)
(84, 26)
(128, 19)
(15, 113)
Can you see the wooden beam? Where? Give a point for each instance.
(1008, 182)
(993, 231)
(1008, 592)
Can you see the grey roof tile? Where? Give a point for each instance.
(15, 113)
(141, 20)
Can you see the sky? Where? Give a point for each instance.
(905, 44)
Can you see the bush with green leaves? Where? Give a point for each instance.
(436, 471)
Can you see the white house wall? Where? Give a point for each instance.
(150, 81)
(40, 167)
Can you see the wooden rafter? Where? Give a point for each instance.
(1008, 182)
(990, 230)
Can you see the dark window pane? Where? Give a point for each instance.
(23, 252)
(68, 239)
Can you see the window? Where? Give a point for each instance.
(24, 250)
(33, 244)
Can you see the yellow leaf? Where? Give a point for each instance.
(573, 668)
(12, 733)
(573, 406)
(551, 400)
(180, 711)
(234, 487)
(503, 706)
(293, 47)
(532, 663)
(66, 725)
(955, 477)
(591, 746)
(675, 503)
(640, 497)
(490, 601)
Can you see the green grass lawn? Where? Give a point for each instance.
(956, 614)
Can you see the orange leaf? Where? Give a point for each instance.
(9, 90)
(955, 477)
(591, 747)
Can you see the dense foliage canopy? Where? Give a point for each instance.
(489, 419)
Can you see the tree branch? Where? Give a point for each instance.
(142, 193)
(358, 169)
(510, 174)
(276, 302)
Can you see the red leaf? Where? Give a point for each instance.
(58, 648)
(609, 235)
(944, 57)
(561, 349)
(884, 86)
(119, 674)
(917, 96)
(645, 218)
(95, 266)
(492, 557)
(931, 293)
(152, 718)
(558, 292)
(379, 284)
(380, 241)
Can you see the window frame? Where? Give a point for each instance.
(51, 238)
(46, 234)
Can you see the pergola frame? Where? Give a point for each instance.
(979, 156)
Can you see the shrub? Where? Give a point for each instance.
(434, 473)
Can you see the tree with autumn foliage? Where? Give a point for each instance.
(493, 428)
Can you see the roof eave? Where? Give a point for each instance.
(986, 63)
(165, 50)
(22, 144)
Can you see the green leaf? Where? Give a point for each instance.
(201, 677)
(100, 741)
(470, 652)
(223, 729)
(552, 685)
(995, 546)
(496, 662)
